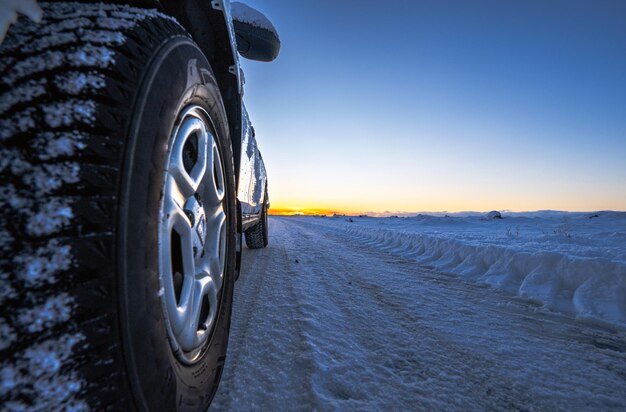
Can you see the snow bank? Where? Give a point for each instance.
(573, 263)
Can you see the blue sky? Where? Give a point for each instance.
(443, 105)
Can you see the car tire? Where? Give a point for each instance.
(257, 237)
(91, 102)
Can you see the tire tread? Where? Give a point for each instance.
(256, 236)
(60, 175)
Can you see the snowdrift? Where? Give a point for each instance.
(574, 263)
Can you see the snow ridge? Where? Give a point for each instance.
(592, 287)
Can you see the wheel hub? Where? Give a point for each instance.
(192, 235)
(197, 216)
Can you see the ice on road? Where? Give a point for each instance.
(325, 320)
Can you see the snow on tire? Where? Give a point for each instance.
(67, 91)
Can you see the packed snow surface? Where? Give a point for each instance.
(333, 315)
(572, 262)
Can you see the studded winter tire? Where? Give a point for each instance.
(118, 214)
(257, 237)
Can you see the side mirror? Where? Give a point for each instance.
(257, 38)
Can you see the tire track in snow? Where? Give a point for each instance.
(588, 286)
(585, 331)
(376, 331)
(267, 350)
(504, 313)
(380, 320)
(592, 332)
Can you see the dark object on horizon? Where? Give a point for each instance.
(494, 214)
(594, 216)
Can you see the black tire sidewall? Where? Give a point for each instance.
(265, 226)
(159, 381)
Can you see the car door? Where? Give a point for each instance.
(252, 175)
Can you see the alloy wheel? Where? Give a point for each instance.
(192, 235)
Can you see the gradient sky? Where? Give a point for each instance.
(443, 105)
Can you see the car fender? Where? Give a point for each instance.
(210, 24)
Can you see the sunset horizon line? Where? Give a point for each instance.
(284, 211)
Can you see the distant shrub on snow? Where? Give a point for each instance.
(564, 230)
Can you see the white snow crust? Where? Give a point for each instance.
(49, 177)
(76, 82)
(38, 375)
(26, 92)
(7, 333)
(57, 309)
(41, 266)
(571, 262)
(69, 112)
(246, 14)
(343, 321)
(51, 145)
(50, 218)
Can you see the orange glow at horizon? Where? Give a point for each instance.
(282, 209)
(286, 211)
(326, 192)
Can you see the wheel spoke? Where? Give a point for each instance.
(215, 247)
(188, 170)
(211, 291)
(177, 222)
(216, 241)
(192, 335)
(215, 176)
(174, 192)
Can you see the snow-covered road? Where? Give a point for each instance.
(325, 320)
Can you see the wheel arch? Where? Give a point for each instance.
(208, 22)
(210, 26)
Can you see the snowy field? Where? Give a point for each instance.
(401, 314)
(571, 262)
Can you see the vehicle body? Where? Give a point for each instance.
(216, 32)
(252, 191)
(249, 166)
(129, 173)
